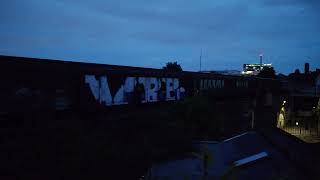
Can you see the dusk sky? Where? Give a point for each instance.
(150, 33)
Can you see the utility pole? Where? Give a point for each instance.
(260, 61)
(200, 58)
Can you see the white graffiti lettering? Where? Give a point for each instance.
(154, 89)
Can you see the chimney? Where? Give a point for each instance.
(306, 68)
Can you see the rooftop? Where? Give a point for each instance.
(263, 161)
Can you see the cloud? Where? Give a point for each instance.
(148, 33)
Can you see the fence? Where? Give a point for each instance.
(309, 133)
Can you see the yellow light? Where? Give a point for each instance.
(284, 102)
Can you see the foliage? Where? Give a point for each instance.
(316, 110)
(230, 173)
(206, 158)
(205, 117)
(267, 72)
(281, 76)
(200, 117)
(197, 116)
(297, 71)
(172, 67)
(296, 75)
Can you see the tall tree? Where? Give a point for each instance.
(172, 67)
(296, 75)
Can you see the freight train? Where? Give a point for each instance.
(30, 84)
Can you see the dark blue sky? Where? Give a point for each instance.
(150, 33)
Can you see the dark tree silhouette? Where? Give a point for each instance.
(296, 75)
(172, 67)
(267, 72)
(282, 76)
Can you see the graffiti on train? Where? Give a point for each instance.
(135, 89)
(211, 84)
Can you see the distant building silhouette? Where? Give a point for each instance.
(306, 68)
(301, 92)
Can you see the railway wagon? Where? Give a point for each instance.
(30, 84)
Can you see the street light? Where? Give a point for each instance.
(297, 124)
(284, 102)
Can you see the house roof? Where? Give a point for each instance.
(225, 154)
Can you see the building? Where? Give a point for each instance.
(318, 85)
(300, 95)
(254, 69)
